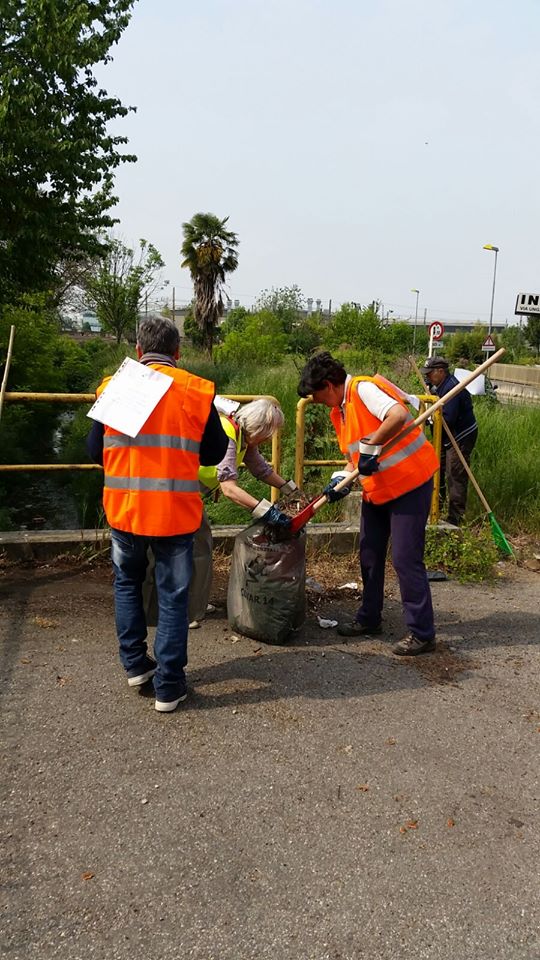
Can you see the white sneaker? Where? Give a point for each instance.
(167, 706)
(141, 678)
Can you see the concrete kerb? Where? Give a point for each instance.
(337, 538)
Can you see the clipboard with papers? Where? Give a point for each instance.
(129, 398)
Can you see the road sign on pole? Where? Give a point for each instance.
(488, 345)
(436, 330)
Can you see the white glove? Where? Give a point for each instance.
(261, 509)
(288, 488)
(370, 449)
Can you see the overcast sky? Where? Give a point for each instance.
(359, 149)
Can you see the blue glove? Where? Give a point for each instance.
(267, 512)
(369, 458)
(333, 496)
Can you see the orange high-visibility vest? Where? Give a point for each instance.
(151, 485)
(410, 462)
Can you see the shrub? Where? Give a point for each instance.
(468, 554)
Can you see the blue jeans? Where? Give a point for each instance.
(173, 556)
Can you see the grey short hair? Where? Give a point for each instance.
(260, 418)
(158, 335)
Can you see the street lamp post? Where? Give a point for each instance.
(489, 246)
(417, 292)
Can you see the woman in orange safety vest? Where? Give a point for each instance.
(396, 493)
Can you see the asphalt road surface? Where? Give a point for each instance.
(322, 800)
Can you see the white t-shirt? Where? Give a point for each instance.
(376, 400)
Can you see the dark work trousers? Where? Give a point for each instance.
(404, 520)
(457, 481)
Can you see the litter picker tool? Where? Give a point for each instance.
(308, 512)
(498, 536)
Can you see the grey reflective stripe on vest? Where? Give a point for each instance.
(411, 447)
(355, 447)
(153, 440)
(160, 484)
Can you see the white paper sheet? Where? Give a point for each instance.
(129, 398)
(224, 405)
(476, 387)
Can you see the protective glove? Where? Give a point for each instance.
(289, 488)
(333, 496)
(369, 458)
(268, 513)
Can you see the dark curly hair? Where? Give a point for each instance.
(321, 369)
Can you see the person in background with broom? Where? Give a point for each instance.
(459, 417)
(396, 494)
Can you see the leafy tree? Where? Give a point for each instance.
(532, 333)
(513, 342)
(398, 338)
(286, 303)
(235, 320)
(307, 335)
(260, 341)
(467, 345)
(117, 285)
(192, 329)
(56, 156)
(359, 327)
(209, 253)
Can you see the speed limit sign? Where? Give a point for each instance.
(436, 330)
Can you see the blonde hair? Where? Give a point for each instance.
(260, 418)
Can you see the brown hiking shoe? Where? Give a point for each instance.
(356, 629)
(411, 646)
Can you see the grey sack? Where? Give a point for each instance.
(266, 595)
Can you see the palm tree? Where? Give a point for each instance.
(209, 253)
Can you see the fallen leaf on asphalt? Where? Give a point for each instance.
(391, 741)
(61, 681)
(45, 623)
(412, 824)
(87, 875)
(450, 822)
(363, 786)
(25, 660)
(403, 829)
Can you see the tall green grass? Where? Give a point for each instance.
(506, 464)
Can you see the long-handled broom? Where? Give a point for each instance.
(499, 538)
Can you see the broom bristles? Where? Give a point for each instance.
(499, 538)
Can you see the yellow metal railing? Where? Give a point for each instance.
(301, 462)
(74, 398)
